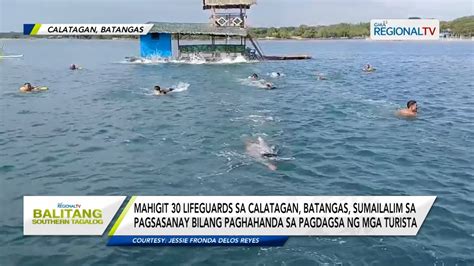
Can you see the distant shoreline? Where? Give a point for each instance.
(354, 39)
(457, 29)
(259, 39)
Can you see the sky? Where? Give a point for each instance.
(276, 13)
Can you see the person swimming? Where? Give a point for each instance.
(74, 67)
(134, 59)
(261, 152)
(160, 91)
(410, 111)
(321, 76)
(275, 74)
(28, 88)
(368, 68)
(268, 85)
(254, 76)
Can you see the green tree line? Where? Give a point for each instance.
(463, 26)
(341, 30)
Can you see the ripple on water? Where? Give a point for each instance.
(6, 168)
(97, 132)
(92, 149)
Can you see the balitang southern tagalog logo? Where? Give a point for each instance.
(68, 215)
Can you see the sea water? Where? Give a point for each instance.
(102, 131)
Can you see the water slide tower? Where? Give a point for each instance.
(225, 35)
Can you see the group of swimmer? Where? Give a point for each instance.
(410, 111)
(367, 68)
(267, 85)
(264, 154)
(259, 149)
(28, 88)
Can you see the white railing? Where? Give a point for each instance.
(228, 20)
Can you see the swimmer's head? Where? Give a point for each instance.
(278, 74)
(73, 66)
(27, 85)
(157, 88)
(254, 76)
(411, 105)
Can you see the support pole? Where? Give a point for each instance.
(257, 48)
(179, 50)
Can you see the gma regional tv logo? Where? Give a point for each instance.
(67, 213)
(404, 29)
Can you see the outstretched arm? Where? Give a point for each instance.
(270, 166)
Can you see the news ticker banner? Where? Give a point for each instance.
(404, 29)
(86, 29)
(224, 220)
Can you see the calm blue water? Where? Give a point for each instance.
(99, 131)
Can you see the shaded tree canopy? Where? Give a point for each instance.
(463, 26)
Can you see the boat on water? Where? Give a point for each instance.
(11, 56)
(287, 57)
(3, 55)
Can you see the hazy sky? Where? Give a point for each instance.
(14, 13)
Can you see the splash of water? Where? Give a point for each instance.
(254, 83)
(181, 86)
(193, 59)
(276, 74)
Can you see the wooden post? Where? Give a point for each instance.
(179, 52)
(242, 18)
(213, 15)
(213, 41)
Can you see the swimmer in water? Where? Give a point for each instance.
(160, 91)
(368, 68)
(410, 111)
(321, 76)
(268, 85)
(275, 74)
(254, 76)
(261, 152)
(28, 88)
(134, 59)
